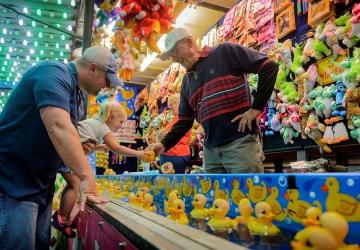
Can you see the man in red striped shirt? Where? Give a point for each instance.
(216, 94)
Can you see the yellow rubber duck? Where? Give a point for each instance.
(125, 191)
(147, 204)
(256, 193)
(338, 227)
(314, 238)
(139, 199)
(132, 198)
(246, 211)
(276, 208)
(117, 193)
(219, 222)
(312, 217)
(177, 212)
(220, 194)
(173, 195)
(263, 225)
(296, 208)
(199, 211)
(343, 204)
(236, 194)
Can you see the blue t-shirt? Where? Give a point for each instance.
(28, 159)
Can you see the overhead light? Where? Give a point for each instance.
(32, 51)
(25, 10)
(28, 33)
(147, 61)
(24, 42)
(21, 22)
(2, 40)
(4, 31)
(184, 15)
(73, 3)
(27, 58)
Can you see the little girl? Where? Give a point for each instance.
(98, 130)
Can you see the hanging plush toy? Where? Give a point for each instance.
(296, 66)
(308, 48)
(355, 133)
(354, 73)
(339, 93)
(314, 131)
(127, 66)
(320, 49)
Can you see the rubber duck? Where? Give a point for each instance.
(177, 212)
(276, 208)
(312, 217)
(256, 193)
(246, 211)
(117, 193)
(219, 222)
(220, 194)
(236, 194)
(314, 238)
(338, 227)
(125, 191)
(199, 211)
(173, 195)
(205, 184)
(139, 199)
(147, 204)
(296, 208)
(132, 198)
(341, 203)
(263, 225)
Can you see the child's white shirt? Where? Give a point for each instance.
(93, 129)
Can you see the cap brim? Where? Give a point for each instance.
(114, 79)
(164, 56)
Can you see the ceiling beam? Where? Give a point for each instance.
(214, 7)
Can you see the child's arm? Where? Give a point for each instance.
(114, 146)
(101, 147)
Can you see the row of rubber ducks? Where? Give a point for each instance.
(323, 231)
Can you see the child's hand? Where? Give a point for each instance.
(148, 156)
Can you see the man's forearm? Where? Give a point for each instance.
(66, 140)
(180, 128)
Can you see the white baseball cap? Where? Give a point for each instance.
(171, 39)
(103, 58)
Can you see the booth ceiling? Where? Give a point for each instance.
(25, 41)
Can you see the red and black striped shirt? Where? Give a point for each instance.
(216, 91)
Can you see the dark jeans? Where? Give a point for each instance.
(24, 224)
(179, 162)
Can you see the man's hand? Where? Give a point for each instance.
(87, 190)
(158, 148)
(88, 147)
(245, 119)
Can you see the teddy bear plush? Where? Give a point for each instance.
(352, 100)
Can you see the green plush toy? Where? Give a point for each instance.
(281, 77)
(319, 46)
(354, 73)
(296, 65)
(355, 133)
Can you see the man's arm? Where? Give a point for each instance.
(66, 141)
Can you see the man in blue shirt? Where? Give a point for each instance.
(38, 133)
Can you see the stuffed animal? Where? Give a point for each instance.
(328, 35)
(106, 5)
(319, 46)
(354, 73)
(355, 133)
(328, 102)
(355, 22)
(287, 131)
(293, 111)
(352, 101)
(288, 93)
(285, 55)
(344, 77)
(340, 132)
(296, 65)
(308, 48)
(343, 26)
(314, 131)
(339, 93)
(281, 77)
(127, 66)
(310, 77)
(304, 114)
(316, 95)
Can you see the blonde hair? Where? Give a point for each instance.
(108, 107)
(174, 98)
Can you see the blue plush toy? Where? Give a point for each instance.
(339, 93)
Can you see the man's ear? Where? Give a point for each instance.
(92, 67)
